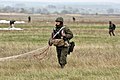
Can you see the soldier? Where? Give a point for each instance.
(12, 24)
(73, 19)
(111, 28)
(29, 19)
(60, 38)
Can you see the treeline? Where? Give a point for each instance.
(55, 10)
(50, 9)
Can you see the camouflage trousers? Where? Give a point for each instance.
(62, 55)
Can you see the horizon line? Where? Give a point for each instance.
(62, 1)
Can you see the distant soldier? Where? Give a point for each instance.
(73, 19)
(12, 23)
(111, 28)
(29, 19)
(60, 38)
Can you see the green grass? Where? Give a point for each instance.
(96, 55)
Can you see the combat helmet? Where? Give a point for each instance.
(59, 19)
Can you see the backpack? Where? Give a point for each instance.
(114, 26)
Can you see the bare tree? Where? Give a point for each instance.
(22, 10)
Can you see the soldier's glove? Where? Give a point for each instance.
(50, 42)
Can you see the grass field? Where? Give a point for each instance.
(96, 55)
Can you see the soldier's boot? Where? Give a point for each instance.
(62, 66)
(113, 33)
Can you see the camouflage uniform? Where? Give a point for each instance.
(29, 19)
(73, 19)
(62, 51)
(111, 28)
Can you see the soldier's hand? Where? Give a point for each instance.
(50, 42)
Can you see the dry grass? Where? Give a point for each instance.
(96, 55)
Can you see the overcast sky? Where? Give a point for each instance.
(115, 1)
